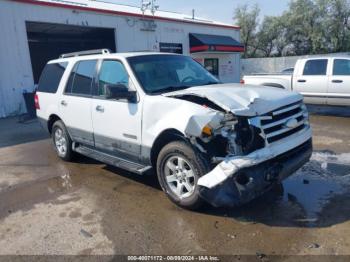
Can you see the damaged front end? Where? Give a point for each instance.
(249, 154)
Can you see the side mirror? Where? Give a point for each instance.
(120, 91)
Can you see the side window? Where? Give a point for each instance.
(51, 77)
(341, 67)
(315, 67)
(81, 78)
(111, 73)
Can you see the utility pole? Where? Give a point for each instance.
(149, 5)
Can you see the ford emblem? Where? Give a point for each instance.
(291, 123)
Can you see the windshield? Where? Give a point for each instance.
(166, 73)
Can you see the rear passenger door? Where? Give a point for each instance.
(75, 103)
(339, 83)
(312, 81)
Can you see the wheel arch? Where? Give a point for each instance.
(273, 85)
(52, 119)
(164, 138)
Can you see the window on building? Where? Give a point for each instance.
(112, 73)
(316, 67)
(341, 67)
(51, 77)
(212, 65)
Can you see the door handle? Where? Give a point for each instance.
(337, 81)
(100, 109)
(64, 103)
(302, 81)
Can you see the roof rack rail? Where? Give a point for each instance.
(88, 52)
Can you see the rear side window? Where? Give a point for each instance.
(341, 67)
(51, 77)
(315, 67)
(81, 78)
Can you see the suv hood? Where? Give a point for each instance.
(243, 100)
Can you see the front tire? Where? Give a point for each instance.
(62, 142)
(179, 167)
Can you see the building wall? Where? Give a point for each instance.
(229, 65)
(16, 71)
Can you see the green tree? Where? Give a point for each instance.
(337, 25)
(307, 27)
(271, 37)
(247, 19)
(302, 23)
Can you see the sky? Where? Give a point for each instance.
(219, 10)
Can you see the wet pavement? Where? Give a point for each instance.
(51, 207)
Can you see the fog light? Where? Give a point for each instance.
(242, 179)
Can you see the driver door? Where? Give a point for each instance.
(116, 123)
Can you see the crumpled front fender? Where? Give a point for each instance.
(231, 165)
(253, 181)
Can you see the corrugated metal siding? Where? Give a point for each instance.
(2, 102)
(16, 72)
(15, 64)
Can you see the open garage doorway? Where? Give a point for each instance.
(47, 41)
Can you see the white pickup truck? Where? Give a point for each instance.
(322, 80)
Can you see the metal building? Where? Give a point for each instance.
(35, 31)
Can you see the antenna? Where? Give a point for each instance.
(149, 5)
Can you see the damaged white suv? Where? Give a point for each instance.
(208, 142)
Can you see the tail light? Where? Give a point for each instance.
(242, 81)
(36, 101)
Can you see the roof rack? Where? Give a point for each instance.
(88, 52)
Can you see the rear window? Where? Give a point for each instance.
(315, 67)
(51, 77)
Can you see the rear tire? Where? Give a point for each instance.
(62, 141)
(179, 167)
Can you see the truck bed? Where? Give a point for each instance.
(276, 80)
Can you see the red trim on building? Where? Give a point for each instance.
(230, 48)
(199, 48)
(205, 48)
(92, 9)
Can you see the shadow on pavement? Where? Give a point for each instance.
(340, 111)
(13, 132)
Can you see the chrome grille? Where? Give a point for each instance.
(282, 122)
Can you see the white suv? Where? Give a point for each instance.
(208, 142)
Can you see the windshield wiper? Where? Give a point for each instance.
(171, 89)
(212, 83)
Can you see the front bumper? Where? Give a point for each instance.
(241, 184)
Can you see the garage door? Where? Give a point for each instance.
(47, 41)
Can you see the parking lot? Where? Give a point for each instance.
(85, 207)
